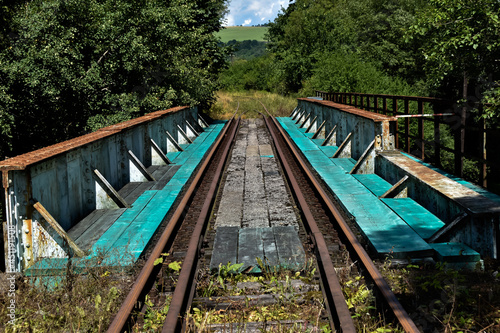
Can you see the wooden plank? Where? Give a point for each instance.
(225, 247)
(152, 169)
(128, 188)
(97, 229)
(250, 248)
(290, 251)
(76, 231)
(163, 181)
(270, 250)
(138, 191)
(376, 184)
(418, 218)
(159, 170)
(455, 252)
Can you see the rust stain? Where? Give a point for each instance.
(22, 161)
(351, 109)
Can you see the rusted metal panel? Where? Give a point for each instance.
(363, 125)
(61, 178)
(446, 199)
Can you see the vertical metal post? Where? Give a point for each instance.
(407, 125)
(421, 130)
(395, 113)
(375, 102)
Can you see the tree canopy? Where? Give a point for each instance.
(70, 66)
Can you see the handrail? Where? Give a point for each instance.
(427, 146)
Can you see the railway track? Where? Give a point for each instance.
(188, 241)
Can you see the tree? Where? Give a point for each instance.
(460, 42)
(77, 65)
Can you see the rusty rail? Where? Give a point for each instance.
(385, 290)
(423, 145)
(167, 237)
(184, 289)
(332, 288)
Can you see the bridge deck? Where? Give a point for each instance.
(255, 218)
(118, 237)
(396, 226)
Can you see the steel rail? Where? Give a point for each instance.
(391, 299)
(166, 237)
(333, 290)
(184, 289)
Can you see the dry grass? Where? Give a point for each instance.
(249, 105)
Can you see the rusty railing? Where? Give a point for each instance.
(444, 144)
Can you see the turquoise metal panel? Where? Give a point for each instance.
(386, 231)
(418, 218)
(376, 184)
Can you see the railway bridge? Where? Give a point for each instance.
(104, 198)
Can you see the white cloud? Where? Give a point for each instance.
(264, 10)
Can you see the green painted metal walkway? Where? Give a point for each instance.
(397, 227)
(127, 238)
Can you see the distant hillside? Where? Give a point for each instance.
(247, 49)
(242, 33)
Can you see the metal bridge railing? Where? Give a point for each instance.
(431, 129)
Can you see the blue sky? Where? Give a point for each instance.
(253, 12)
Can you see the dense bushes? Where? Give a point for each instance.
(71, 66)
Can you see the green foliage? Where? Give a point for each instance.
(459, 36)
(247, 49)
(253, 74)
(342, 72)
(154, 318)
(335, 46)
(75, 66)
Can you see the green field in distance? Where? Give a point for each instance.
(242, 33)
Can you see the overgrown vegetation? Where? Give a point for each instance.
(440, 298)
(83, 302)
(68, 67)
(229, 101)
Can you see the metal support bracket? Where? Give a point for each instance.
(297, 112)
(172, 143)
(318, 131)
(332, 136)
(305, 120)
(398, 190)
(53, 223)
(157, 155)
(138, 171)
(184, 135)
(300, 117)
(190, 130)
(202, 121)
(345, 148)
(365, 162)
(313, 122)
(195, 124)
(457, 220)
(106, 195)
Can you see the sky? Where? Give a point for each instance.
(253, 12)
